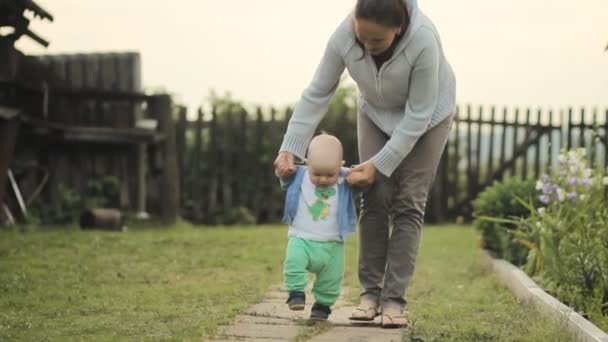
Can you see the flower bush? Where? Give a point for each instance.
(567, 236)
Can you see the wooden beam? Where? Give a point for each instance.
(98, 135)
(161, 108)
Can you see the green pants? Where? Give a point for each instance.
(324, 259)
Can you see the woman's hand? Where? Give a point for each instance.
(284, 165)
(362, 175)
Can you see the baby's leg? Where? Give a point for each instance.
(296, 263)
(329, 277)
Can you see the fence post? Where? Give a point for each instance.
(514, 144)
(569, 128)
(551, 142)
(195, 190)
(456, 179)
(490, 173)
(528, 131)
(160, 107)
(181, 146)
(606, 140)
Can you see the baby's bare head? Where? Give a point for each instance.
(325, 153)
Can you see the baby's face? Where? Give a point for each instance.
(323, 176)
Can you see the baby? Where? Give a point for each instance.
(320, 212)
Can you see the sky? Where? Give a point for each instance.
(540, 53)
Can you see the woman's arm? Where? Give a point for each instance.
(315, 100)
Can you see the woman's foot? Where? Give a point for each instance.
(393, 318)
(366, 311)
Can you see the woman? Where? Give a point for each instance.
(405, 109)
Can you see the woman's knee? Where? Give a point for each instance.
(409, 209)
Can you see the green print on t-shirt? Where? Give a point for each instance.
(320, 209)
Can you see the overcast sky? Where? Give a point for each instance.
(516, 52)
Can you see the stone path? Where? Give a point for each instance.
(271, 320)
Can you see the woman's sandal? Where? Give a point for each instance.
(394, 319)
(366, 311)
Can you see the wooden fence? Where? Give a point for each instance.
(225, 159)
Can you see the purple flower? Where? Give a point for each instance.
(547, 188)
(572, 196)
(544, 199)
(573, 181)
(587, 182)
(546, 178)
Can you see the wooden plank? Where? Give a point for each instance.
(514, 143)
(122, 68)
(58, 108)
(273, 205)
(75, 79)
(109, 81)
(243, 188)
(606, 139)
(479, 157)
(503, 140)
(537, 161)
(180, 142)
(569, 129)
(136, 111)
(213, 174)
(581, 128)
(470, 177)
(72, 115)
(491, 147)
(524, 169)
(256, 171)
(456, 170)
(477, 121)
(89, 80)
(99, 135)
(160, 107)
(551, 141)
(197, 169)
(226, 164)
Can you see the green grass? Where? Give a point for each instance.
(145, 284)
(181, 283)
(452, 297)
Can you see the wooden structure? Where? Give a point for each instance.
(79, 117)
(225, 159)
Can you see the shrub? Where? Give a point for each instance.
(500, 200)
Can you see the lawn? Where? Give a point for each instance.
(180, 283)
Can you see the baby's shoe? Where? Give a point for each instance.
(296, 300)
(320, 312)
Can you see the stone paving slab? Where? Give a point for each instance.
(271, 320)
(359, 334)
(263, 320)
(257, 330)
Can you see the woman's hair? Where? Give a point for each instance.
(390, 13)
